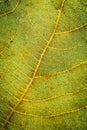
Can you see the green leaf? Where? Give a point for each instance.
(43, 65)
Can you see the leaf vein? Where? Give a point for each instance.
(9, 12)
(56, 96)
(62, 72)
(37, 67)
(50, 116)
(72, 30)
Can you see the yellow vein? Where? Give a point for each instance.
(37, 67)
(50, 98)
(9, 12)
(64, 71)
(72, 30)
(23, 126)
(50, 116)
(66, 49)
(19, 68)
(54, 97)
(40, 33)
(4, 99)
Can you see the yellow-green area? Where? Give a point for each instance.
(43, 65)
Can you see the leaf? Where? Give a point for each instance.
(43, 65)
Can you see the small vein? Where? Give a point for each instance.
(13, 10)
(66, 49)
(36, 69)
(72, 30)
(40, 33)
(56, 96)
(62, 72)
(49, 116)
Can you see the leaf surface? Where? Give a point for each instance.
(43, 65)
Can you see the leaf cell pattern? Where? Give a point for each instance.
(43, 65)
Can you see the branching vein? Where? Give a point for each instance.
(64, 71)
(56, 96)
(72, 30)
(37, 67)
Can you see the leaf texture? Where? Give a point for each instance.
(43, 65)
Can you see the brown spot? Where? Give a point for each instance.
(52, 87)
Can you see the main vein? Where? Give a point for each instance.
(37, 67)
